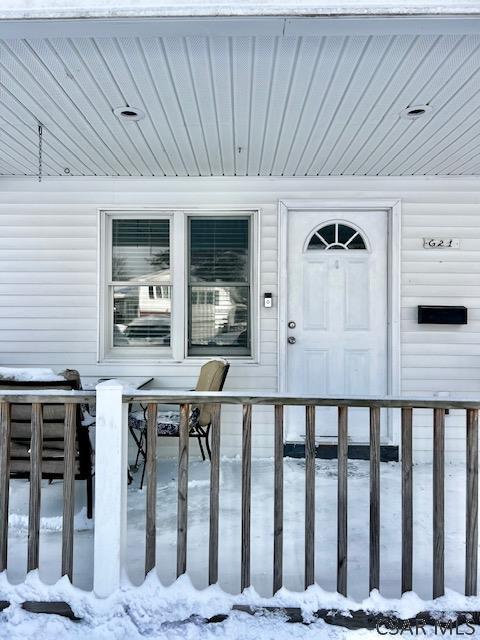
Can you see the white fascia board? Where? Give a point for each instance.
(260, 25)
(42, 9)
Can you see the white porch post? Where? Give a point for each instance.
(111, 460)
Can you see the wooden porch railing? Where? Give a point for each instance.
(113, 399)
(37, 400)
(406, 405)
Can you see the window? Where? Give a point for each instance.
(140, 288)
(336, 236)
(219, 286)
(176, 284)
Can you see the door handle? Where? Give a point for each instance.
(291, 340)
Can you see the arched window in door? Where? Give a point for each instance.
(336, 235)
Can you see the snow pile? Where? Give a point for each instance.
(151, 610)
(29, 375)
(18, 523)
(181, 611)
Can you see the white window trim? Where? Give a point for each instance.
(178, 351)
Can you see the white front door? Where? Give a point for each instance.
(337, 314)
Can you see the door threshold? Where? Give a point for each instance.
(328, 451)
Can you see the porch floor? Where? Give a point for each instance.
(262, 526)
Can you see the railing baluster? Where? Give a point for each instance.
(438, 502)
(374, 498)
(36, 443)
(342, 526)
(4, 480)
(68, 489)
(407, 500)
(214, 498)
(471, 551)
(246, 493)
(151, 473)
(278, 501)
(309, 496)
(182, 510)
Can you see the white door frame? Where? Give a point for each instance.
(393, 209)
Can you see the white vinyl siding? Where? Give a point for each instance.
(48, 280)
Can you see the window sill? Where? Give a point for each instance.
(169, 361)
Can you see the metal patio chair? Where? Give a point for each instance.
(211, 378)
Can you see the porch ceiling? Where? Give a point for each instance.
(284, 99)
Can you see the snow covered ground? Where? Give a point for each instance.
(154, 609)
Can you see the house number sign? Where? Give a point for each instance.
(441, 243)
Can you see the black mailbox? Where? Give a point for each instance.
(430, 314)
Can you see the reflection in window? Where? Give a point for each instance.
(139, 320)
(140, 288)
(336, 236)
(219, 286)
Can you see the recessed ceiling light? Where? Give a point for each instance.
(129, 113)
(415, 111)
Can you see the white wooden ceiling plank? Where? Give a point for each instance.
(386, 141)
(7, 170)
(10, 166)
(348, 59)
(282, 79)
(470, 169)
(115, 54)
(459, 160)
(385, 113)
(29, 87)
(165, 88)
(27, 152)
(444, 93)
(451, 71)
(15, 160)
(290, 103)
(16, 112)
(442, 149)
(146, 72)
(26, 142)
(308, 57)
(453, 118)
(82, 105)
(345, 116)
(87, 50)
(90, 92)
(263, 66)
(199, 63)
(154, 129)
(364, 114)
(53, 94)
(153, 126)
(219, 56)
(28, 137)
(358, 100)
(420, 131)
(242, 61)
(176, 54)
(324, 75)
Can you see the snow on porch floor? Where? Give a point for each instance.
(262, 527)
